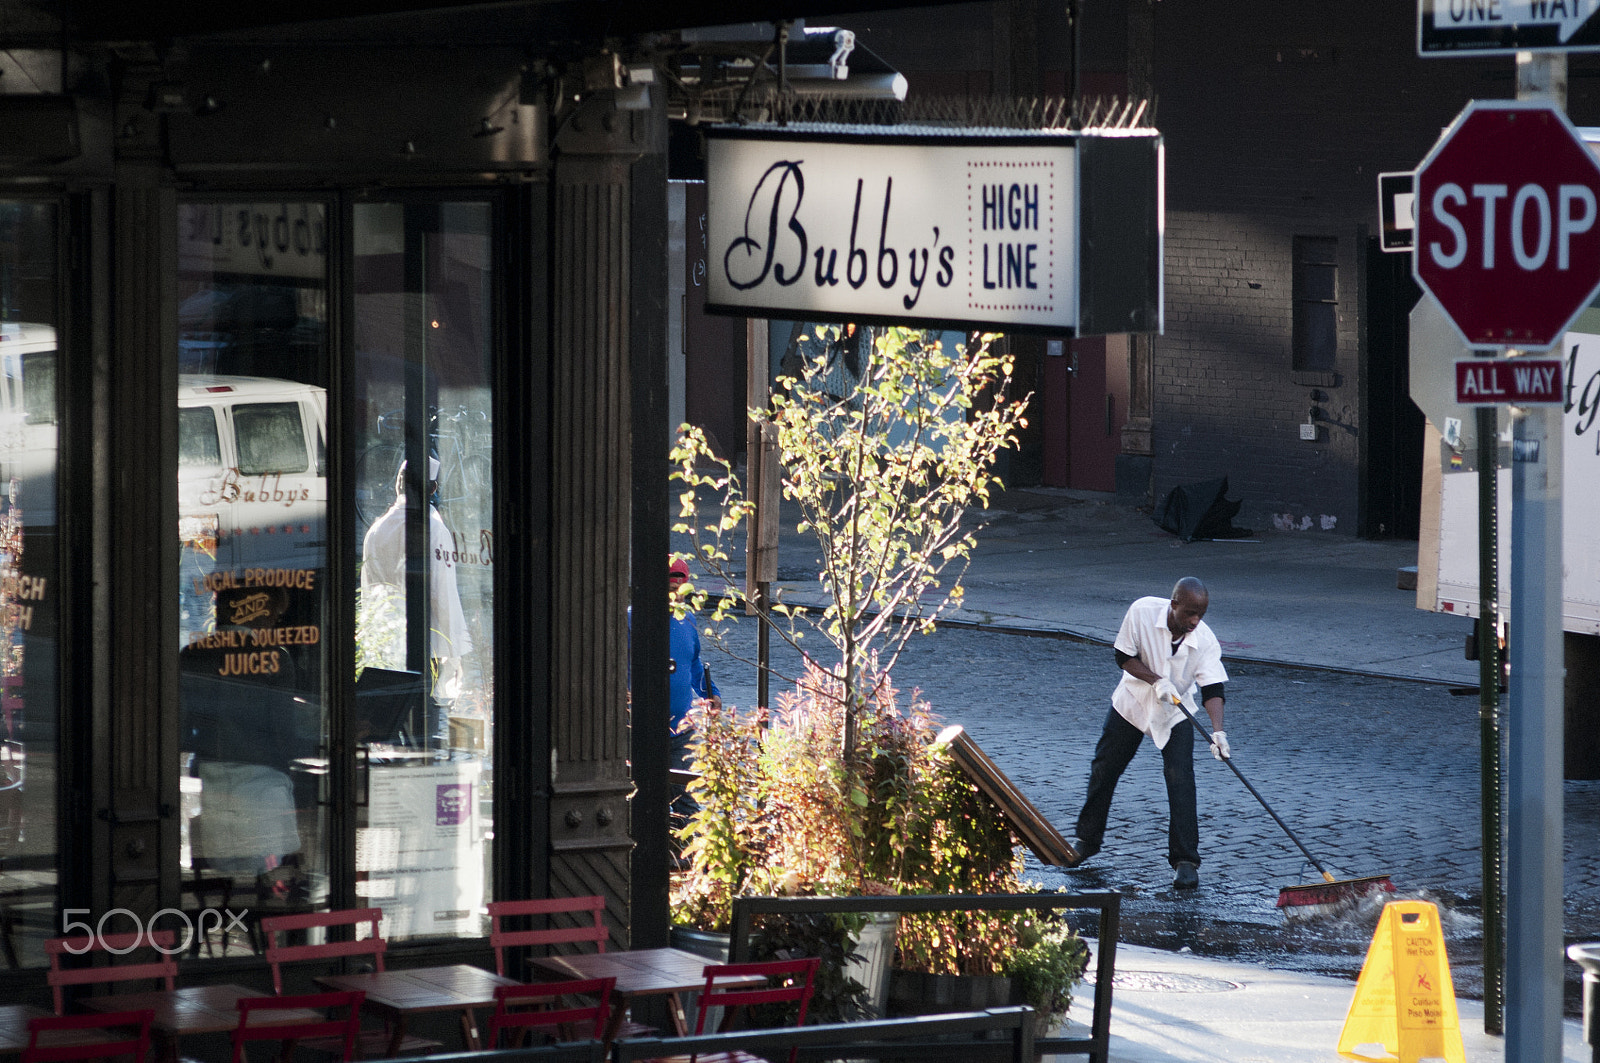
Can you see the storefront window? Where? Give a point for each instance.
(256, 670)
(422, 482)
(29, 594)
(252, 528)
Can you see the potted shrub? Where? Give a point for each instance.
(775, 817)
(773, 821)
(957, 960)
(1046, 963)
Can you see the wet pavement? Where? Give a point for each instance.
(1178, 1007)
(1340, 711)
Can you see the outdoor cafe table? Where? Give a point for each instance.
(14, 1019)
(191, 1010)
(398, 993)
(640, 973)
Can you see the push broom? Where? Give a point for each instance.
(1312, 898)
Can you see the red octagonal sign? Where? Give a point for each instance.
(1508, 227)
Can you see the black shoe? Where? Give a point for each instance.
(1188, 876)
(1084, 850)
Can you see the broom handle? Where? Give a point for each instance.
(1255, 793)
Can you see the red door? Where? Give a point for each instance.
(1097, 406)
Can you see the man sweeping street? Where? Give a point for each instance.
(1165, 650)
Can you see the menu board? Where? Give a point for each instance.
(421, 854)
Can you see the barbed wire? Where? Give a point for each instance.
(954, 112)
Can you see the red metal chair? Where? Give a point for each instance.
(540, 1007)
(591, 930)
(501, 939)
(373, 946)
(371, 1043)
(103, 1036)
(339, 1030)
(58, 977)
(796, 982)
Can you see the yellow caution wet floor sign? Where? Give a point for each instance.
(1405, 1004)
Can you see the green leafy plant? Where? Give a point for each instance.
(773, 819)
(724, 838)
(777, 811)
(1048, 960)
(380, 627)
(958, 844)
(836, 996)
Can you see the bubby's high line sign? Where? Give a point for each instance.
(1007, 229)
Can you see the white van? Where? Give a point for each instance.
(252, 470)
(252, 489)
(28, 419)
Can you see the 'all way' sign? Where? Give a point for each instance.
(1511, 382)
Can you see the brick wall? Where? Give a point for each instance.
(1225, 401)
(1277, 119)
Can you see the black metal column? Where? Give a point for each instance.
(136, 760)
(608, 298)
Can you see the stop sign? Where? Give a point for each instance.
(1508, 229)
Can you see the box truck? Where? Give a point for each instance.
(1447, 547)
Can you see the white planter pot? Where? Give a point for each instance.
(875, 946)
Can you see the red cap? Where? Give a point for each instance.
(679, 569)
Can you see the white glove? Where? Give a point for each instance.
(1166, 693)
(1219, 745)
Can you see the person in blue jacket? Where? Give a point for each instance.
(690, 680)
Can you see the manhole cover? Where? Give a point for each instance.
(1167, 982)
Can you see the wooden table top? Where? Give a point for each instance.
(196, 1009)
(447, 988)
(640, 972)
(14, 1019)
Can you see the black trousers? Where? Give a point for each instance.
(1119, 741)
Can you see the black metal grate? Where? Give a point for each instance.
(764, 104)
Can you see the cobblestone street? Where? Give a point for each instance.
(1376, 775)
(1340, 712)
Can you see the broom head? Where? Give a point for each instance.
(1327, 893)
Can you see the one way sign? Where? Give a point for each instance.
(1505, 27)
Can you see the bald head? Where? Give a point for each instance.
(1188, 608)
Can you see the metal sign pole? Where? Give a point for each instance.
(761, 474)
(1490, 769)
(1534, 811)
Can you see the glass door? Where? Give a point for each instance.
(422, 431)
(413, 390)
(253, 376)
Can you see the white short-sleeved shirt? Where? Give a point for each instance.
(383, 565)
(1145, 635)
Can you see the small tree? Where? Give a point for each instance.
(848, 789)
(883, 476)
